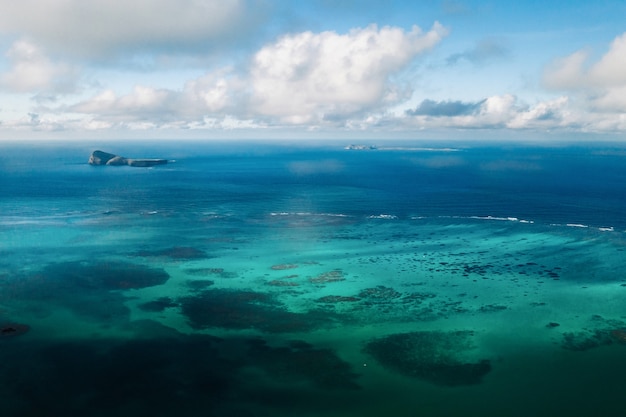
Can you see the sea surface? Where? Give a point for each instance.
(305, 279)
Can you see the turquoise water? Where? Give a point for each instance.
(275, 280)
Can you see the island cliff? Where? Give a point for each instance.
(105, 158)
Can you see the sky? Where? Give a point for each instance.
(420, 69)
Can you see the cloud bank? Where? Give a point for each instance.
(102, 29)
(301, 79)
(106, 66)
(309, 78)
(599, 87)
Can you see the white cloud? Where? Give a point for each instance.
(211, 96)
(312, 77)
(613, 100)
(323, 78)
(31, 71)
(599, 86)
(502, 111)
(545, 114)
(567, 72)
(610, 70)
(491, 112)
(99, 28)
(142, 104)
(215, 92)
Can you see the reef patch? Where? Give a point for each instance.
(177, 253)
(301, 361)
(246, 309)
(433, 356)
(13, 329)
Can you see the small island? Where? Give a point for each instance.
(105, 158)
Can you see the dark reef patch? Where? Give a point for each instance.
(105, 275)
(491, 308)
(171, 375)
(154, 377)
(586, 339)
(332, 299)
(219, 272)
(326, 277)
(13, 329)
(301, 361)
(199, 284)
(89, 289)
(282, 267)
(429, 355)
(379, 293)
(158, 305)
(600, 332)
(247, 309)
(177, 253)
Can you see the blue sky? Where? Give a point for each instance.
(430, 69)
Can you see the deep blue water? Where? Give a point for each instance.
(282, 279)
(549, 185)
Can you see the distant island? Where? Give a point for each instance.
(105, 158)
(360, 147)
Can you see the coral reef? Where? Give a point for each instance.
(13, 329)
(601, 332)
(585, 340)
(491, 308)
(379, 293)
(619, 335)
(158, 305)
(429, 355)
(177, 253)
(87, 288)
(102, 275)
(199, 284)
(282, 267)
(330, 276)
(331, 299)
(220, 272)
(204, 271)
(247, 309)
(166, 376)
(301, 361)
(281, 283)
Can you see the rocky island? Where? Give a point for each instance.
(105, 158)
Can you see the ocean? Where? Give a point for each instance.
(305, 279)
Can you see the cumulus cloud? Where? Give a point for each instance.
(31, 71)
(601, 84)
(143, 103)
(500, 111)
(311, 77)
(212, 94)
(104, 27)
(494, 111)
(546, 114)
(314, 78)
(567, 72)
(574, 71)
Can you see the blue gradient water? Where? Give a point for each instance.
(257, 279)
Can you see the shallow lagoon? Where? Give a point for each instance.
(273, 280)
